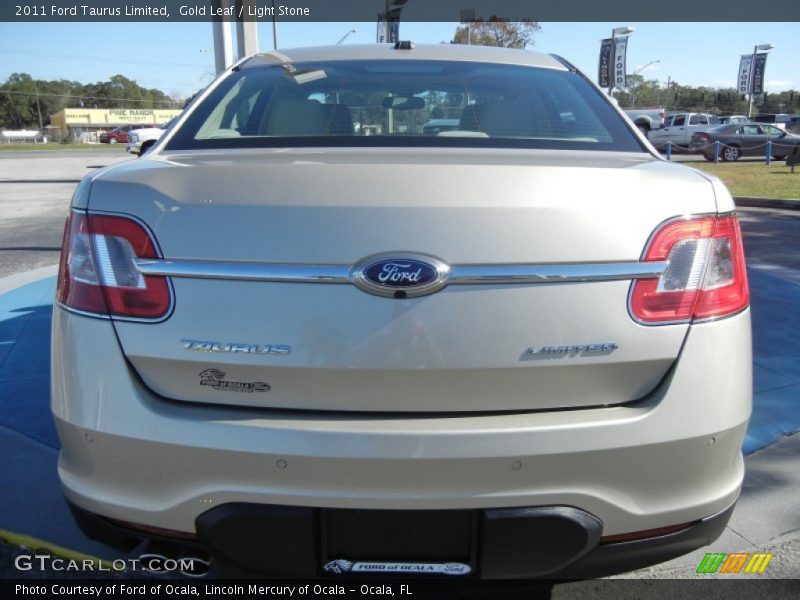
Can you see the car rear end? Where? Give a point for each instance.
(703, 142)
(310, 339)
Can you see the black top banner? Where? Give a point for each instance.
(604, 64)
(413, 10)
(758, 73)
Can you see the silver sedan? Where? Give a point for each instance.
(745, 139)
(306, 336)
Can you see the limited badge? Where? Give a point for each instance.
(216, 379)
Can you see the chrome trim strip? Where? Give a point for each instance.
(243, 271)
(459, 274)
(558, 273)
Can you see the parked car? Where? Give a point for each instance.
(749, 139)
(119, 135)
(306, 350)
(436, 126)
(136, 139)
(647, 119)
(141, 140)
(793, 125)
(679, 128)
(778, 120)
(727, 120)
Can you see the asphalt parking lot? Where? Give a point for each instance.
(35, 189)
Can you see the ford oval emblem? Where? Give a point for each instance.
(400, 274)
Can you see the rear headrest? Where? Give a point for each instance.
(508, 118)
(340, 120)
(308, 117)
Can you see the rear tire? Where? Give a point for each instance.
(730, 153)
(781, 157)
(709, 157)
(113, 141)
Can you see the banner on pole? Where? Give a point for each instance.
(389, 29)
(620, 50)
(604, 66)
(758, 73)
(380, 35)
(744, 74)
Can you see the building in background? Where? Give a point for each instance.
(86, 124)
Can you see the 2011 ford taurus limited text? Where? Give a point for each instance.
(308, 336)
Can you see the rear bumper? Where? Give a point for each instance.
(244, 540)
(672, 458)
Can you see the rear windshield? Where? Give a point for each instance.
(404, 103)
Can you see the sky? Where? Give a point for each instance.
(178, 58)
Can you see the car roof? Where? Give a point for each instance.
(451, 52)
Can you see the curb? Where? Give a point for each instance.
(38, 545)
(19, 279)
(781, 203)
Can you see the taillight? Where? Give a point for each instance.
(97, 274)
(705, 276)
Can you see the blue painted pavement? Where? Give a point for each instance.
(31, 501)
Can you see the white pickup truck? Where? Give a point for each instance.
(680, 127)
(646, 119)
(139, 141)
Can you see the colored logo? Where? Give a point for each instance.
(342, 566)
(738, 562)
(400, 275)
(216, 379)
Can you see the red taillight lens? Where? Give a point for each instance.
(705, 276)
(97, 273)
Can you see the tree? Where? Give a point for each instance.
(496, 32)
(18, 103)
(21, 97)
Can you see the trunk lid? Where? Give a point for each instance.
(463, 348)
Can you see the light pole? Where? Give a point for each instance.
(274, 28)
(636, 85)
(763, 48)
(38, 106)
(344, 37)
